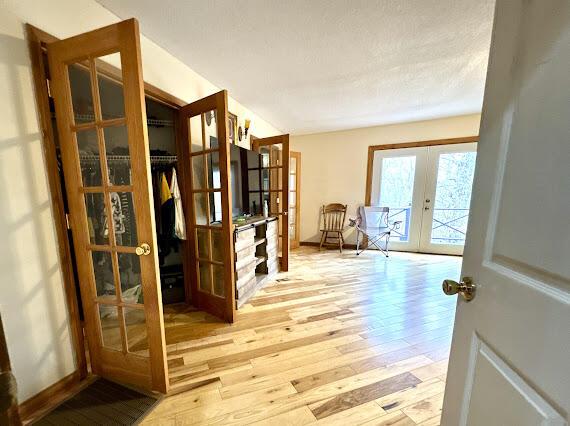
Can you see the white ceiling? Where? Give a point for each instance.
(319, 65)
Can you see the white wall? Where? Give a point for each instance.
(333, 165)
(32, 300)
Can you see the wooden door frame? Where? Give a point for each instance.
(37, 40)
(417, 144)
(284, 140)
(297, 156)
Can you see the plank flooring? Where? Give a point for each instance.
(338, 339)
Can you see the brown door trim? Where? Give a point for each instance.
(416, 144)
(39, 71)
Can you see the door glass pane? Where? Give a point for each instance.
(293, 165)
(203, 243)
(110, 92)
(198, 172)
(211, 130)
(88, 147)
(81, 95)
(103, 273)
(214, 178)
(265, 179)
(117, 152)
(273, 155)
(215, 207)
(200, 208)
(218, 278)
(110, 327)
(275, 204)
(452, 197)
(130, 274)
(217, 245)
(205, 277)
(137, 338)
(264, 151)
(123, 212)
(96, 218)
(195, 130)
(396, 192)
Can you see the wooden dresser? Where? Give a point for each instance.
(256, 255)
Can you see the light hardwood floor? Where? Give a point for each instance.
(339, 339)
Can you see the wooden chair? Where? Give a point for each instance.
(333, 216)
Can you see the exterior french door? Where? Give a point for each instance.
(203, 127)
(428, 190)
(111, 214)
(275, 191)
(399, 183)
(449, 181)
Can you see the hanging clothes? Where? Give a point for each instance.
(118, 218)
(167, 214)
(179, 222)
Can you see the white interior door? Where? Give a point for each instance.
(511, 344)
(398, 183)
(447, 197)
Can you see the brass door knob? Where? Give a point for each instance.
(466, 288)
(143, 250)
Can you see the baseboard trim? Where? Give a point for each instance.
(316, 244)
(39, 404)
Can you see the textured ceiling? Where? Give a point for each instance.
(320, 65)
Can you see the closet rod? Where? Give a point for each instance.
(153, 158)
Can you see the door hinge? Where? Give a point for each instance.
(48, 87)
(67, 222)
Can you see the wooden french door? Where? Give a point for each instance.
(275, 177)
(294, 199)
(111, 216)
(204, 136)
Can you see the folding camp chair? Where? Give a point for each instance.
(372, 222)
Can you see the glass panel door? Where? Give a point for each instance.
(110, 208)
(204, 127)
(447, 198)
(294, 199)
(275, 157)
(398, 183)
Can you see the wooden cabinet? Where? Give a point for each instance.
(256, 256)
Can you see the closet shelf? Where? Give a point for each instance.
(258, 241)
(154, 122)
(125, 158)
